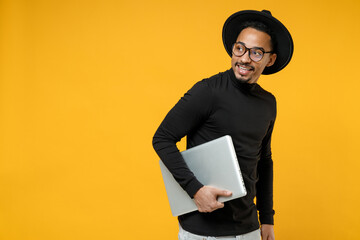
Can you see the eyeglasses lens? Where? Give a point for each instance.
(255, 54)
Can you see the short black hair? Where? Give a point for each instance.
(260, 27)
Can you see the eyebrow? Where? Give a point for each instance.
(252, 47)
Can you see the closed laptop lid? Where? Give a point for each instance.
(213, 163)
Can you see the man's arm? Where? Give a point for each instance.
(189, 113)
(264, 186)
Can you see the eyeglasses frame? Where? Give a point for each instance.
(248, 50)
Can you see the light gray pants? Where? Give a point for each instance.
(185, 235)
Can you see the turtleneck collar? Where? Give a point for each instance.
(239, 84)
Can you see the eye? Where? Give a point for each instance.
(257, 52)
(239, 47)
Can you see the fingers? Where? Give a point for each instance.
(211, 207)
(206, 198)
(220, 205)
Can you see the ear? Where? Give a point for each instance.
(271, 60)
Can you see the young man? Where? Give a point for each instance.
(231, 103)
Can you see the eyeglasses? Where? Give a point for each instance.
(255, 54)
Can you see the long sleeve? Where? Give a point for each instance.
(264, 186)
(189, 113)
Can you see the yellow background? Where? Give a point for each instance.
(85, 84)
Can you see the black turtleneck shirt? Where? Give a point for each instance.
(214, 107)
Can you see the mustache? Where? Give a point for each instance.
(244, 65)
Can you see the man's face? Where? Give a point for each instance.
(244, 68)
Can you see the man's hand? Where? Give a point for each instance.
(206, 198)
(267, 232)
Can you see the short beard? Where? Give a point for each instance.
(243, 80)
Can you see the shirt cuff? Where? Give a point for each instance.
(267, 218)
(193, 186)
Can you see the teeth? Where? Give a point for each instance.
(243, 68)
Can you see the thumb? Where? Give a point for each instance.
(225, 193)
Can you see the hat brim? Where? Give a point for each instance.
(285, 45)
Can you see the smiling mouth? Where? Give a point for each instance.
(244, 69)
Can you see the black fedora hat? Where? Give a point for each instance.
(285, 45)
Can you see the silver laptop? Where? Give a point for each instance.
(213, 163)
